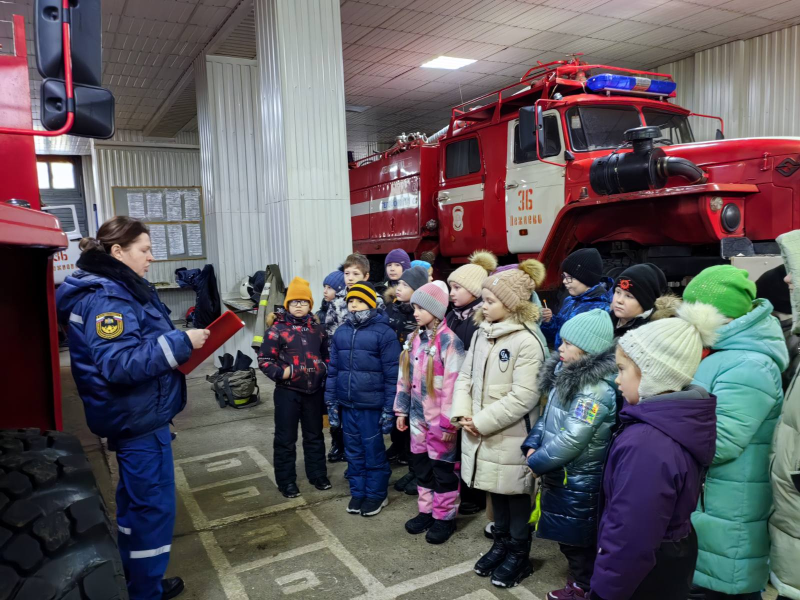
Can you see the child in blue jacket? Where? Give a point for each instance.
(359, 392)
(582, 275)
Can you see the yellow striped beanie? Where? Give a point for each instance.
(364, 291)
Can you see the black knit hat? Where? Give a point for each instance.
(585, 265)
(772, 287)
(645, 281)
(415, 277)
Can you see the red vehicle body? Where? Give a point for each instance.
(476, 187)
(28, 240)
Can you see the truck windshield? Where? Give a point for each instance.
(600, 127)
(675, 128)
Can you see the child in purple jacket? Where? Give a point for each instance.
(646, 547)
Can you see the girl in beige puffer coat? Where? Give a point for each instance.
(495, 402)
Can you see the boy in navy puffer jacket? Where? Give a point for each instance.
(359, 392)
(582, 275)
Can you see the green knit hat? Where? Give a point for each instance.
(590, 331)
(724, 287)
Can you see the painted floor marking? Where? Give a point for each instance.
(522, 593)
(305, 579)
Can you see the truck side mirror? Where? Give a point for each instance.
(86, 44)
(719, 135)
(94, 109)
(540, 128)
(527, 129)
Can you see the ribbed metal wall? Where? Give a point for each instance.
(302, 106)
(229, 124)
(151, 165)
(754, 85)
(88, 192)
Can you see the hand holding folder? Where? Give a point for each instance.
(221, 331)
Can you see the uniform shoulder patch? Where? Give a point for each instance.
(109, 325)
(586, 411)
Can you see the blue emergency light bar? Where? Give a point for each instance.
(627, 83)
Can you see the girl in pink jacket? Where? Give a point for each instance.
(429, 366)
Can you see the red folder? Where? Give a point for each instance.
(221, 331)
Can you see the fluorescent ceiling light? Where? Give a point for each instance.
(355, 108)
(447, 62)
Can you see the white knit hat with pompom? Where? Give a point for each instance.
(669, 351)
(471, 276)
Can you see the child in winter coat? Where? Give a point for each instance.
(784, 522)
(744, 372)
(355, 269)
(582, 275)
(465, 294)
(401, 318)
(331, 285)
(359, 392)
(396, 262)
(429, 367)
(294, 355)
(425, 265)
(568, 444)
(646, 546)
(494, 401)
(640, 296)
(398, 302)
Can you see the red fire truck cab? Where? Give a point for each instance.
(577, 155)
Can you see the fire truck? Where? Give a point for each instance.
(577, 155)
(56, 539)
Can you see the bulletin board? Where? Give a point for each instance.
(174, 216)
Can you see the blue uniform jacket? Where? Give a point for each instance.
(363, 367)
(599, 296)
(124, 355)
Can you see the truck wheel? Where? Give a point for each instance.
(56, 540)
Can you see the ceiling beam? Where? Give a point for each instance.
(239, 14)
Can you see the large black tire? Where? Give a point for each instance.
(56, 539)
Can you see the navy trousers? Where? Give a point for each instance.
(368, 470)
(145, 511)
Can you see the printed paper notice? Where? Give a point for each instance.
(194, 239)
(136, 205)
(155, 206)
(175, 236)
(191, 199)
(174, 210)
(158, 241)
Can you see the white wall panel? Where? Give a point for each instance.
(754, 85)
(150, 165)
(232, 161)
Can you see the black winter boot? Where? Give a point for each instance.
(516, 567)
(495, 556)
(336, 453)
(420, 524)
(400, 484)
(440, 532)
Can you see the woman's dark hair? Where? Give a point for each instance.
(117, 230)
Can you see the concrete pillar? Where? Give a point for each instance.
(273, 151)
(301, 97)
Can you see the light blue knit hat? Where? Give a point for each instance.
(590, 331)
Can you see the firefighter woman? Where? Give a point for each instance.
(124, 352)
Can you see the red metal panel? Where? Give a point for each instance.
(359, 214)
(394, 209)
(17, 155)
(494, 139)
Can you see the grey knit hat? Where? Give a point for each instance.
(433, 298)
(415, 277)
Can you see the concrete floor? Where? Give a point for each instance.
(238, 538)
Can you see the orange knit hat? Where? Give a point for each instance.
(299, 289)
